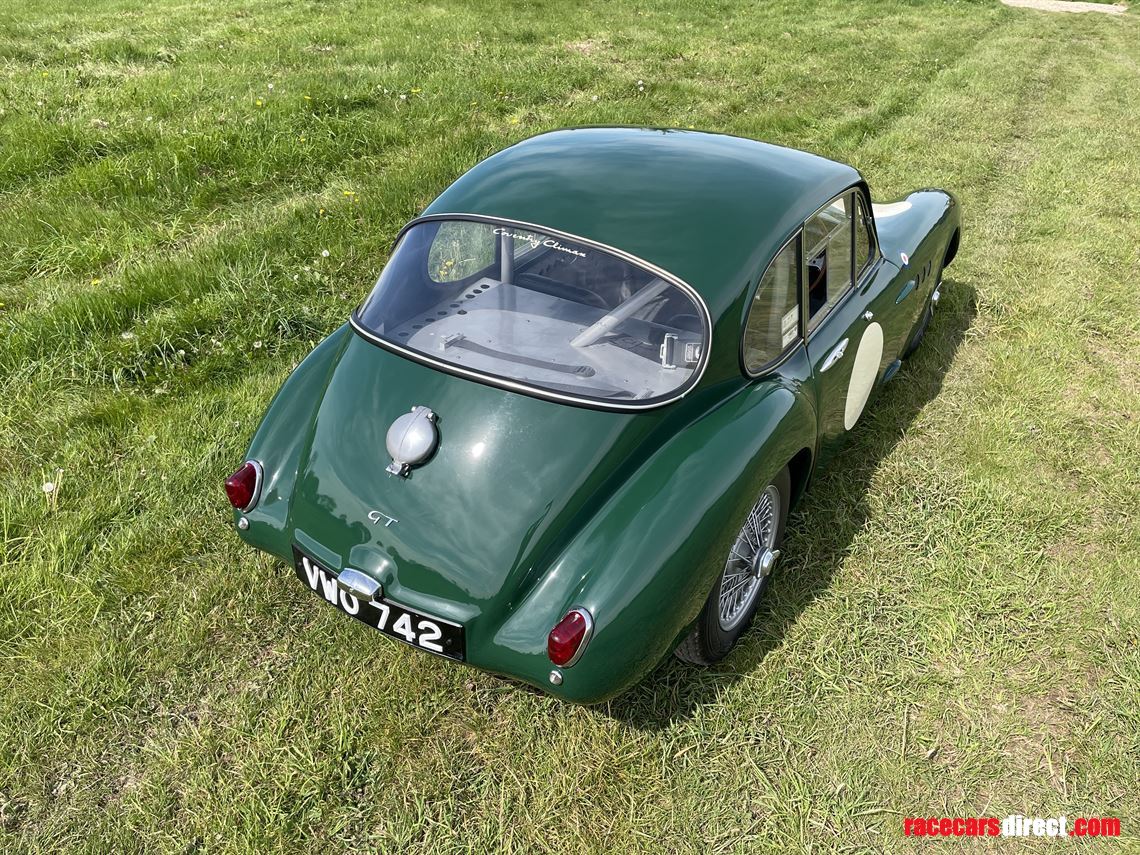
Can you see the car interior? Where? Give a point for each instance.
(817, 282)
(828, 239)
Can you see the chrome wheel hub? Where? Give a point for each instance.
(750, 561)
(764, 561)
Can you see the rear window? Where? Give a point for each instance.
(555, 314)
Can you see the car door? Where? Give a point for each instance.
(845, 340)
(893, 297)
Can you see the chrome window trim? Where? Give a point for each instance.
(787, 352)
(873, 259)
(778, 362)
(537, 391)
(860, 191)
(859, 187)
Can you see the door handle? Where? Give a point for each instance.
(834, 356)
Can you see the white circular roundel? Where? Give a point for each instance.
(863, 373)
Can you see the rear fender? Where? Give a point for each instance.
(280, 442)
(644, 564)
(920, 226)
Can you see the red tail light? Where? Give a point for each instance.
(568, 638)
(244, 487)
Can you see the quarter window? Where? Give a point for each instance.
(828, 241)
(863, 240)
(774, 318)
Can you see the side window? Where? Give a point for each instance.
(828, 241)
(774, 317)
(863, 240)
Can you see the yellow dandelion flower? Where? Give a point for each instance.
(307, 98)
(259, 102)
(96, 281)
(416, 90)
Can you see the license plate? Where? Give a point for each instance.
(411, 627)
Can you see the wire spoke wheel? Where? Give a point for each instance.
(731, 604)
(749, 560)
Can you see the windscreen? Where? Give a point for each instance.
(546, 311)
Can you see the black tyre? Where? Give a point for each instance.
(927, 314)
(747, 571)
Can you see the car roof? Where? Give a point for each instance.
(709, 208)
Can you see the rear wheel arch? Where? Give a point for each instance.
(711, 638)
(952, 248)
(799, 470)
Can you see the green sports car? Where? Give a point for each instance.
(560, 438)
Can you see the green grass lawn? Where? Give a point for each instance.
(955, 626)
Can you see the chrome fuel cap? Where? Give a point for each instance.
(411, 440)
